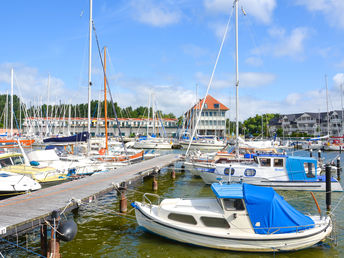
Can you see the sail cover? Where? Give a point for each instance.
(271, 214)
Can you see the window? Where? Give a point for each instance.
(278, 163)
(233, 204)
(215, 122)
(210, 113)
(182, 218)
(17, 160)
(215, 222)
(210, 122)
(265, 162)
(5, 162)
(226, 171)
(309, 169)
(250, 172)
(216, 105)
(206, 113)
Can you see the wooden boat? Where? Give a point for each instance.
(242, 217)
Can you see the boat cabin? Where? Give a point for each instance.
(11, 159)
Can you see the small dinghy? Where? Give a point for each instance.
(11, 184)
(242, 217)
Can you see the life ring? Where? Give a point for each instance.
(102, 151)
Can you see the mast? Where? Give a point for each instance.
(328, 118)
(149, 96)
(89, 80)
(341, 103)
(11, 102)
(237, 80)
(47, 129)
(105, 103)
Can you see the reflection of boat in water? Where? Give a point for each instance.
(11, 184)
(242, 217)
(15, 163)
(280, 171)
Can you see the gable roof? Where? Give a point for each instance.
(210, 102)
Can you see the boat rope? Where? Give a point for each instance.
(210, 81)
(335, 207)
(20, 247)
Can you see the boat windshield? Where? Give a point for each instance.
(18, 160)
(233, 204)
(5, 162)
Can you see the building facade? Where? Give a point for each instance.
(212, 120)
(317, 124)
(129, 126)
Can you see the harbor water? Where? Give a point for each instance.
(103, 232)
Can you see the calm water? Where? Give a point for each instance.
(103, 233)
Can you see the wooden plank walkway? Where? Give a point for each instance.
(24, 212)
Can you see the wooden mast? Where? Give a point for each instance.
(105, 104)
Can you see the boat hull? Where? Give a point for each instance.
(247, 243)
(210, 178)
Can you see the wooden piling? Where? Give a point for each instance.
(44, 240)
(123, 204)
(310, 153)
(54, 243)
(155, 184)
(338, 168)
(328, 187)
(173, 174)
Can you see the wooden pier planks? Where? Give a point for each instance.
(23, 212)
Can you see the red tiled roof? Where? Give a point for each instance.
(209, 104)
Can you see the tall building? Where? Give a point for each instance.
(212, 120)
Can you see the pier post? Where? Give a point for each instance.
(123, 204)
(328, 187)
(338, 168)
(54, 243)
(310, 153)
(340, 148)
(319, 155)
(155, 184)
(182, 168)
(44, 240)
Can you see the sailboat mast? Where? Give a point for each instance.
(341, 103)
(47, 128)
(105, 103)
(328, 118)
(89, 79)
(237, 79)
(12, 102)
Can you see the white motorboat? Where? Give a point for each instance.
(204, 143)
(243, 217)
(153, 143)
(279, 171)
(11, 183)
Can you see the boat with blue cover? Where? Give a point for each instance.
(282, 172)
(242, 217)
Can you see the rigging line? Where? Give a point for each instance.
(211, 80)
(113, 105)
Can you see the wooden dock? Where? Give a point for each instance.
(21, 213)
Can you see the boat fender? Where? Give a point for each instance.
(71, 172)
(34, 163)
(67, 230)
(133, 205)
(102, 151)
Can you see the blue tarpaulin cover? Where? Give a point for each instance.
(270, 213)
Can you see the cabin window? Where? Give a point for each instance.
(188, 219)
(264, 162)
(17, 160)
(250, 172)
(215, 222)
(226, 171)
(5, 162)
(278, 163)
(309, 169)
(233, 204)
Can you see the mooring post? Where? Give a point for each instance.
(328, 187)
(338, 168)
(44, 240)
(54, 243)
(155, 184)
(310, 153)
(123, 204)
(319, 155)
(340, 148)
(182, 168)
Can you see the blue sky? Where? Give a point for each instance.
(168, 47)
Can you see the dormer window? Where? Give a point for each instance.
(216, 105)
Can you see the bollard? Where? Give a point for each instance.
(338, 168)
(155, 184)
(310, 153)
(54, 243)
(319, 155)
(173, 174)
(123, 207)
(44, 240)
(328, 187)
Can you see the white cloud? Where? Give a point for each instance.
(338, 80)
(261, 10)
(332, 10)
(254, 61)
(155, 13)
(293, 98)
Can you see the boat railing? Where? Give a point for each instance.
(145, 198)
(298, 229)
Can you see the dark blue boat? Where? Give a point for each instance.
(80, 137)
